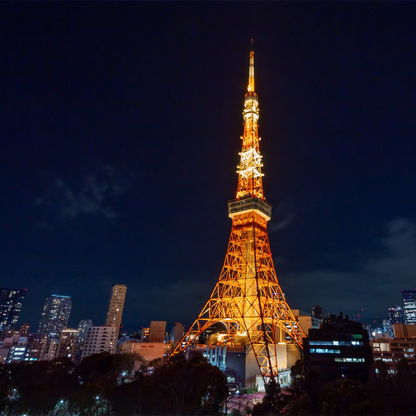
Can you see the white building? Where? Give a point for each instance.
(100, 339)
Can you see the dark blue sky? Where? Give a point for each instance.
(120, 126)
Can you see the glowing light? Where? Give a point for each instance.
(247, 296)
(250, 164)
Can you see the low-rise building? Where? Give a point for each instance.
(306, 320)
(239, 363)
(402, 346)
(147, 350)
(16, 354)
(67, 345)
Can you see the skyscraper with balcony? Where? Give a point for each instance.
(115, 307)
(409, 306)
(55, 315)
(10, 305)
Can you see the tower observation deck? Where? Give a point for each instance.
(247, 298)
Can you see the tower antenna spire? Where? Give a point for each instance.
(250, 87)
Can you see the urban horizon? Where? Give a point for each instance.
(121, 152)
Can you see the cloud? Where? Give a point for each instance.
(397, 262)
(374, 285)
(92, 196)
(285, 214)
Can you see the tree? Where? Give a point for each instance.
(273, 402)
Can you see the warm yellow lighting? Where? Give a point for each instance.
(247, 297)
(250, 164)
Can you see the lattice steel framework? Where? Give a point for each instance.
(247, 298)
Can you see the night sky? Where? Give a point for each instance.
(120, 129)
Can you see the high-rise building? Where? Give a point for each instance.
(55, 315)
(83, 327)
(318, 312)
(10, 305)
(409, 306)
(396, 315)
(115, 307)
(177, 333)
(100, 339)
(157, 331)
(387, 327)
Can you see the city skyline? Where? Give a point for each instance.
(121, 135)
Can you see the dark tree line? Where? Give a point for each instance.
(309, 394)
(101, 385)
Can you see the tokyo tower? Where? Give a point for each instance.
(247, 298)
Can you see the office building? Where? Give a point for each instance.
(318, 312)
(115, 307)
(402, 346)
(83, 327)
(148, 351)
(145, 334)
(340, 348)
(387, 328)
(10, 306)
(305, 320)
(409, 306)
(157, 331)
(51, 348)
(35, 347)
(100, 339)
(55, 315)
(67, 346)
(396, 315)
(177, 333)
(16, 354)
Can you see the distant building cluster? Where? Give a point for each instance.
(53, 338)
(335, 346)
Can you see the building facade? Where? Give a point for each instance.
(67, 346)
(239, 363)
(148, 351)
(83, 327)
(100, 339)
(402, 346)
(115, 306)
(318, 312)
(157, 331)
(55, 315)
(11, 301)
(409, 306)
(306, 320)
(340, 348)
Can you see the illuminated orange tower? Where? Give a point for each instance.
(247, 298)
